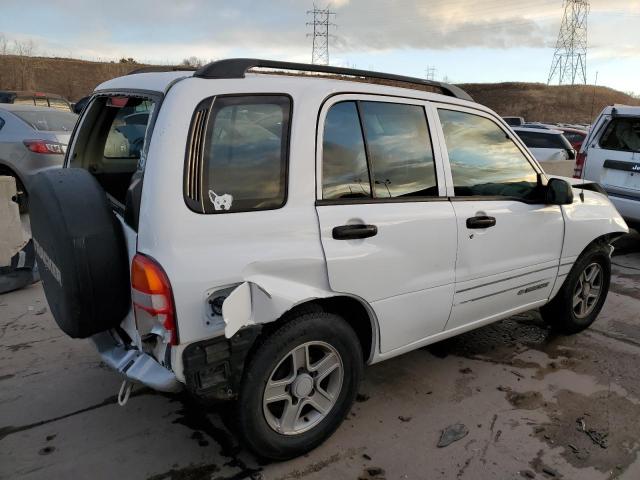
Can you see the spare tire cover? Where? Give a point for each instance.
(80, 249)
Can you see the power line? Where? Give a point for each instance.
(321, 25)
(569, 64)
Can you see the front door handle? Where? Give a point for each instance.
(352, 232)
(481, 221)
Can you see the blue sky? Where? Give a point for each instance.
(465, 40)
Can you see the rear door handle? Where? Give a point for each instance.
(352, 232)
(481, 221)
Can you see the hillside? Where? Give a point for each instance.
(534, 101)
(542, 103)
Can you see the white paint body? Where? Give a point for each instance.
(422, 278)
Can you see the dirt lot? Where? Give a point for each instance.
(535, 405)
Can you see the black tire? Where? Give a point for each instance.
(251, 420)
(80, 250)
(560, 313)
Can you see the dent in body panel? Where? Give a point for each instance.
(270, 289)
(588, 220)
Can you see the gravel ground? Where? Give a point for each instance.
(535, 405)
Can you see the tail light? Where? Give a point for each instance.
(45, 146)
(152, 296)
(581, 161)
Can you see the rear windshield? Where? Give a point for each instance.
(59, 104)
(544, 140)
(48, 120)
(622, 134)
(112, 140)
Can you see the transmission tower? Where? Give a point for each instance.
(430, 73)
(321, 25)
(569, 65)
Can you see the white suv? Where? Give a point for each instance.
(265, 235)
(610, 155)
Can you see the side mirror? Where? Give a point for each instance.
(558, 192)
(572, 154)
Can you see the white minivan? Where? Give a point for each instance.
(260, 236)
(611, 156)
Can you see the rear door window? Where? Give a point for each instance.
(622, 134)
(344, 166)
(244, 155)
(377, 149)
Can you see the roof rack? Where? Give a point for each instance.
(156, 69)
(237, 68)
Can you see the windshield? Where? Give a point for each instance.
(48, 120)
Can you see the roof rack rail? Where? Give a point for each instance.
(237, 67)
(155, 69)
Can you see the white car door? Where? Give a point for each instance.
(387, 228)
(509, 241)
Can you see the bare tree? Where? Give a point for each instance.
(193, 61)
(4, 44)
(23, 76)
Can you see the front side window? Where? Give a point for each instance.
(245, 153)
(484, 160)
(622, 134)
(377, 149)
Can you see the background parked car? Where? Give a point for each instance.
(611, 156)
(32, 139)
(546, 145)
(513, 121)
(37, 99)
(575, 136)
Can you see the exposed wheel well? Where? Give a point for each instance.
(354, 313)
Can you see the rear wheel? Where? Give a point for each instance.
(579, 301)
(299, 385)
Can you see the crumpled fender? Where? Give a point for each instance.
(271, 289)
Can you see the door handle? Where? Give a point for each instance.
(352, 232)
(481, 221)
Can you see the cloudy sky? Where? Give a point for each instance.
(465, 40)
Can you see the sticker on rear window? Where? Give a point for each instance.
(220, 202)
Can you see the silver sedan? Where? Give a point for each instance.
(32, 139)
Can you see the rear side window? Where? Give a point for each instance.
(484, 160)
(622, 134)
(240, 144)
(48, 120)
(378, 147)
(542, 140)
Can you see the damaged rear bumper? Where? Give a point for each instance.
(136, 366)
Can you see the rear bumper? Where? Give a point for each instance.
(628, 206)
(134, 365)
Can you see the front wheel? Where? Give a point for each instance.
(579, 301)
(299, 385)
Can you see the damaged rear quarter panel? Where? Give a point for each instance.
(278, 252)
